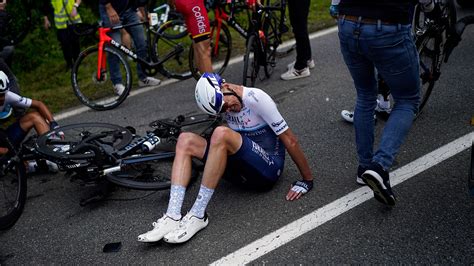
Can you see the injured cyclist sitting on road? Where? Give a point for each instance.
(249, 152)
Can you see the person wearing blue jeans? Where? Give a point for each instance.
(124, 12)
(377, 35)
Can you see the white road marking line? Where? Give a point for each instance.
(134, 91)
(326, 213)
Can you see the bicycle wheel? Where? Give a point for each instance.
(251, 65)
(270, 27)
(221, 47)
(177, 66)
(99, 93)
(428, 50)
(150, 175)
(12, 185)
(80, 139)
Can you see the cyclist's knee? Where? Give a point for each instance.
(221, 135)
(187, 142)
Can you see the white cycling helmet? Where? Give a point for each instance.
(209, 96)
(3, 82)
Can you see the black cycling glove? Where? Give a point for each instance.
(302, 186)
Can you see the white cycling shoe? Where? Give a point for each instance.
(163, 226)
(188, 227)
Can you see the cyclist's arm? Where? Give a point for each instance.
(296, 153)
(42, 109)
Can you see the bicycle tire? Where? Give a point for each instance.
(428, 52)
(166, 39)
(13, 187)
(219, 57)
(270, 26)
(64, 150)
(251, 65)
(151, 175)
(99, 94)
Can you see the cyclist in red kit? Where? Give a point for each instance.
(197, 22)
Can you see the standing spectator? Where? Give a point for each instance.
(65, 15)
(124, 12)
(298, 10)
(6, 48)
(377, 35)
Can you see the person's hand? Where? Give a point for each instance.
(3, 150)
(46, 23)
(73, 12)
(112, 14)
(334, 11)
(252, 4)
(298, 189)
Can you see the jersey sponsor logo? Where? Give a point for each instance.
(124, 49)
(277, 124)
(252, 94)
(22, 100)
(200, 20)
(262, 153)
(281, 129)
(234, 119)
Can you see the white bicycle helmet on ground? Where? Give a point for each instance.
(209, 96)
(3, 82)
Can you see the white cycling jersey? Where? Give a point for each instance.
(259, 120)
(15, 100)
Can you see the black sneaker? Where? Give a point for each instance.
(378, 180)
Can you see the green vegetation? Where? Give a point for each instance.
(41, 70)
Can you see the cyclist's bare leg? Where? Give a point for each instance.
(202, 55)
(34, 120)
(224, 142)
(189, 145)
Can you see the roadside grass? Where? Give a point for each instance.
(41, 70)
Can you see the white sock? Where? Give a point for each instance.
(175, 203)
(201, 202)
(32, 166)
(385, 104)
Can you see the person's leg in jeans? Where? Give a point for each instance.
(112, 61)
(363, 73)
(138, 37)
(404, 83)
(298, 11)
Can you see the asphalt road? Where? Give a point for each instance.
(433, 221)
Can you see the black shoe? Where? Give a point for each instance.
(378, 180)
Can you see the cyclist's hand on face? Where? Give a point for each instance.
(298, 189)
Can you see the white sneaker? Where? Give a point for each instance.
(295, 74)
(163, 226)
(309, 64)
(149, 81)
(188, 227)
(119, 88)
(348, 116)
